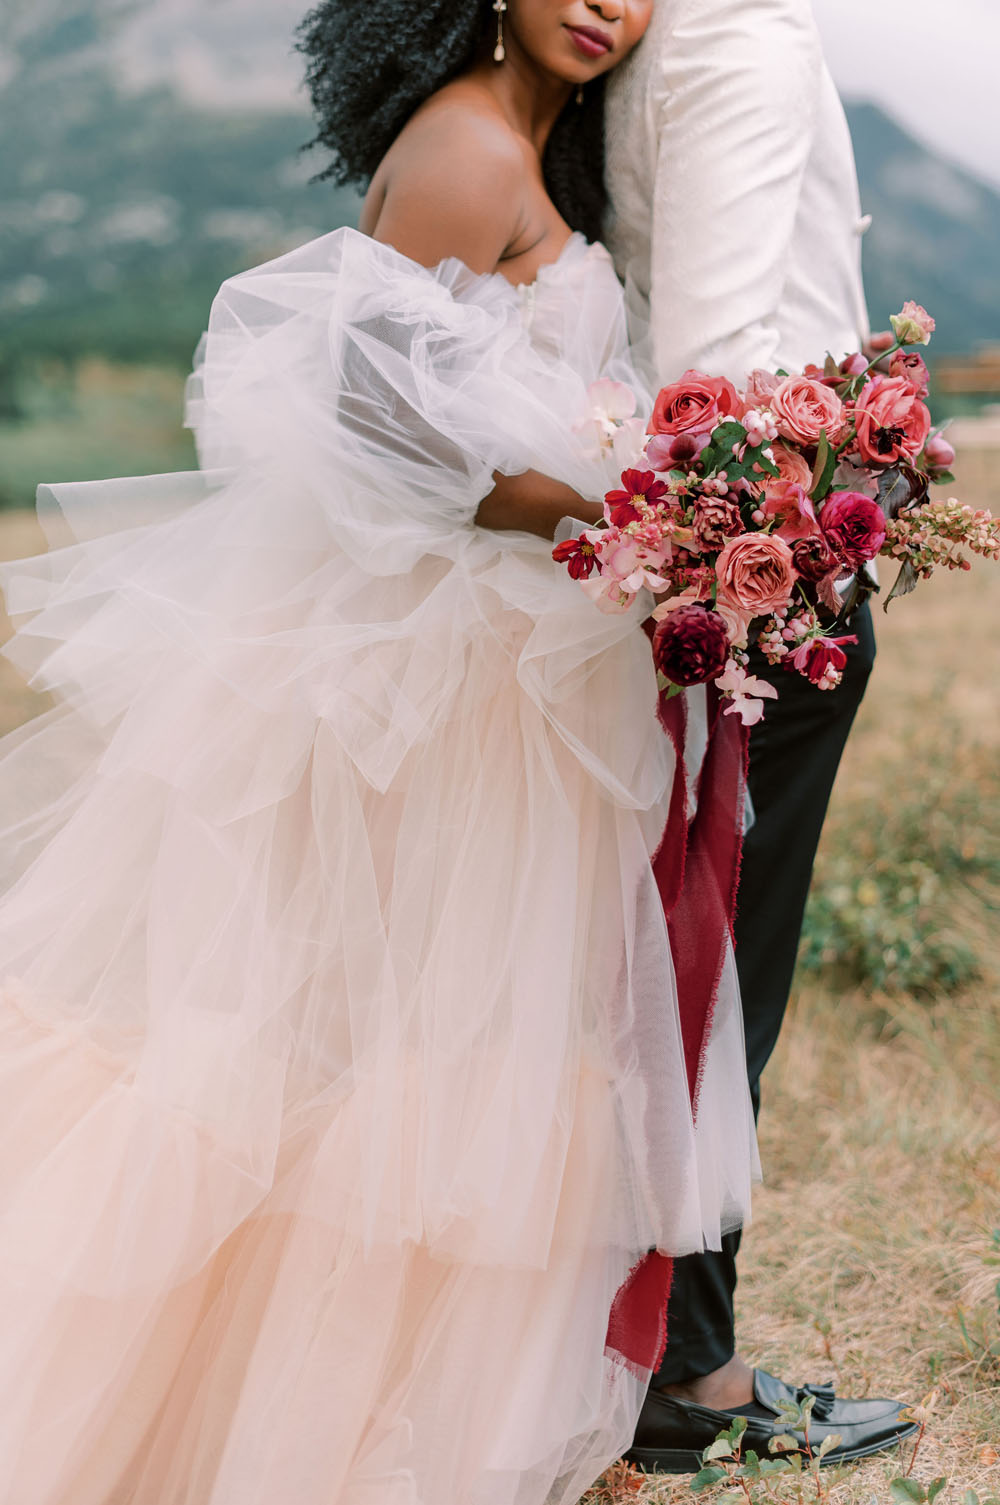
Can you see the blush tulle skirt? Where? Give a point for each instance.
(341, 1081)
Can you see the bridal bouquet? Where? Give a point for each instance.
(754, 509)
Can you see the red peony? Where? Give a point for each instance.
(691, 645)
(854, 527)
(694, 405)
(891, 421)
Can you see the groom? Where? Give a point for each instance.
(737, 220)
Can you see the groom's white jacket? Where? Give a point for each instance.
(734, 189)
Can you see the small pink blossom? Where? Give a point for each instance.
(913, 325)
(746, 691)
(608, 594)
(908, 364)
(939, 455)
(854, 365)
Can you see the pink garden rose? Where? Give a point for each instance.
(913, 325)
(891, 421)
(694, 405)
(803, 407)
(760, 388)
(791, 467)
(691, 645)
(756, 573)
(853, 526)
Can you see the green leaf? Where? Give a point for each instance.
(720, 1448)
(826, 464)
(970, 1497)
(829, 1443)
(944, 478)
(737, 1429)
(785, 1443)
(775, 1466)
(934, 1488)
(908, 1491)
(705, 1478)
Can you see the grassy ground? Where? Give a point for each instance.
(874, 1256)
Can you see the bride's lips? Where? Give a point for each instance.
(591, 42)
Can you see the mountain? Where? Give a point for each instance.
(124, 200)
(934, 237)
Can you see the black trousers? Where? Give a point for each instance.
(794, 755)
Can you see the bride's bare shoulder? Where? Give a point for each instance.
(453, 182)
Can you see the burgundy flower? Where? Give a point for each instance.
(854, 527)
(578, 554)
(691, 645)
(813, 558)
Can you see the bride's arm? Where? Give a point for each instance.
(454, 189)
(533, 503)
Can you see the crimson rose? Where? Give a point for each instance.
(854, 527)
(691, 645)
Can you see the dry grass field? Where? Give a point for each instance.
(874, 1256)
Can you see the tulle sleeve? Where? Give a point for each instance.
(408, 387)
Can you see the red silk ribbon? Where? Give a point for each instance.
(697, 868)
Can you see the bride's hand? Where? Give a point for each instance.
(533, 503)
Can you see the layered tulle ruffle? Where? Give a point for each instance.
(342, 1073)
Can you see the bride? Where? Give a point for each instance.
(343, 1085)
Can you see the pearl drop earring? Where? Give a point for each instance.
(499, 51)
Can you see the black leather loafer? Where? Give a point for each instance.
(672, 1433)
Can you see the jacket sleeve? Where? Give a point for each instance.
(736, 108)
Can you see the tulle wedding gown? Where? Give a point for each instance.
(341, 1082)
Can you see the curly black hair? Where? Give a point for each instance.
(371, 63)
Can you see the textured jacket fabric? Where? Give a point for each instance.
(736, 213)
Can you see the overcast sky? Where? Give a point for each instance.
(934, 63)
